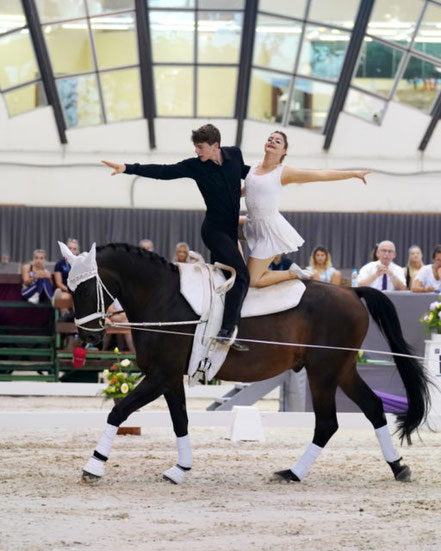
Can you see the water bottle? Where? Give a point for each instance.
(354, 278)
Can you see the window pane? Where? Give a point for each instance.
(377, 67)
(268, 95)
(172, 36)
(17, 59)
(395, 20)
(214, 98)
(104, 6)
(420, 84)
(69, 47)
(80, 101)
(49, 10)
(323, 52)
(221, 4)
(276, 43)
(428, 38)
(341, 13)
(293, 8)
(11, 15)
(219, 37)
(310, 104)
(115, 40)
(365, 106)
(24, 99)
(171, 3)
(122, 94)
(174, 91)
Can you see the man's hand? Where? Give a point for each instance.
(382, 269)
(117, 169)
(361, 174)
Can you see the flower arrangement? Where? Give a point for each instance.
(432, 318)
(120, 378)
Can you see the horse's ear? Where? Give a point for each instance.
(66, 252)
(92, 251)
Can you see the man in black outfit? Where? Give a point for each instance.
(218, 172)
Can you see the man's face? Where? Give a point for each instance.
(386, 252)
(205, 151)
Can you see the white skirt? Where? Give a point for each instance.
(270, 235)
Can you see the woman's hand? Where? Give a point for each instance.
(361, 174)
(117, 168)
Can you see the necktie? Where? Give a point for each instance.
(384, 282)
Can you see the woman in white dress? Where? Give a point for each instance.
(267, 232)
(428, 279)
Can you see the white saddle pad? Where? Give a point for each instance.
(195, 287)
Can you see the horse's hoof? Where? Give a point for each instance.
(286, 476)
(90, 478)
(175, 475)
(403, 474)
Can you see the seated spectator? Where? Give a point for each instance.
(37, 281)
(428, 279)
(414, 264)
(125, 338)
(321, 265)
(146, 244)
(383, 274)
(184, 254)
(281, 262)
(374, 256)
(62, 298)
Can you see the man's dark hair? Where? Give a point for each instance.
(206, 134)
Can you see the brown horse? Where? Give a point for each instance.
(327, 316)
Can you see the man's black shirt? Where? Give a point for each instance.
(220, 185)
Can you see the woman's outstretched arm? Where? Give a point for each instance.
(291, 175)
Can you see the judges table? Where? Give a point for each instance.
(410, 307)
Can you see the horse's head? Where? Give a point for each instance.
(91, 297)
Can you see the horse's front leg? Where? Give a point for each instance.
(178, 411)
(146, 391)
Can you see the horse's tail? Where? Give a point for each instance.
(412, 373)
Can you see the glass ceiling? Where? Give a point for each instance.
(195, 54)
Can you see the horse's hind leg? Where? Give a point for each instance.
(146, 391)
(325, 426)
(178, 411)
(372, 406)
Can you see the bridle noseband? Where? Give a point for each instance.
(100, 313)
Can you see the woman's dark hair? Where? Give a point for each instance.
(206, 134)
(374, 253)
(436, 251)
(285, 139)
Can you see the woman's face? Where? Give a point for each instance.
(415, 254)
(181, 254)
(275, 145)
(320, 258)
(437, 261)
(39, 260)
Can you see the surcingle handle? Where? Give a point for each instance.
(226, 285)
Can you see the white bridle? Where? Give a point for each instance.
(100, 313)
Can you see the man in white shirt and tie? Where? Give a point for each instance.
(383, 274)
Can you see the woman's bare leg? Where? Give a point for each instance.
(260, 276)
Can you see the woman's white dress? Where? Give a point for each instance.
(267, 232)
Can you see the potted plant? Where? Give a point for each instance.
(120, 381)
(432, 318)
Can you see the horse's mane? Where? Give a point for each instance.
(143, 254)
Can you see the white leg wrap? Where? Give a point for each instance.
(185, 458)
(175, 474)
(387, 447)
(94, 466)
(105, 443)
(302, 467)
